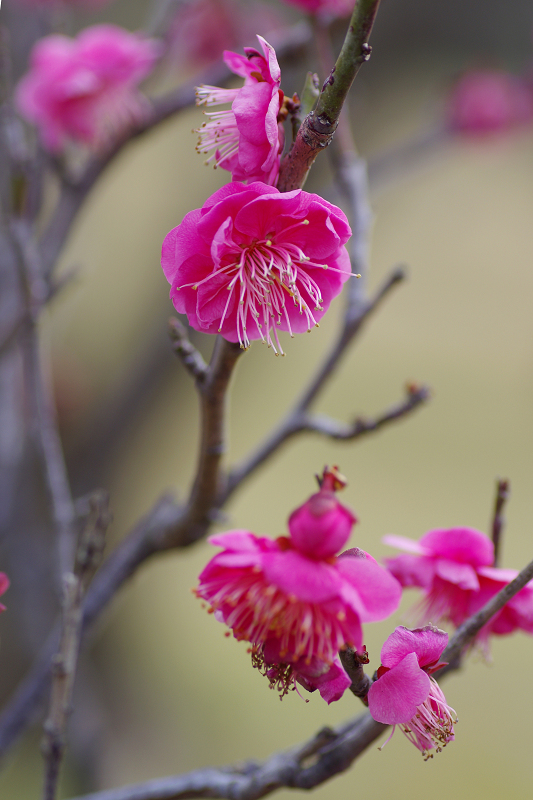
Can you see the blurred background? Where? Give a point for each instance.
(160, 689)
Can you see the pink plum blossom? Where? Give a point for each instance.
(334, 8)
(454, 569)
(297, 607)
(404, 694)
(488, 101)
(4, 586)
(85, 89)
(248, 138)
(253, 261)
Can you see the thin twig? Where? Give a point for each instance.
(498, 520)
(415, 396)
(65, 661)
(189, 356)
(37, 291)
(331, 751)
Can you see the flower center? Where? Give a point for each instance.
(263, 281)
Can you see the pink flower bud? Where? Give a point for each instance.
(321, 526)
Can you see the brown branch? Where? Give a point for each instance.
(502, 495)
(416, 395)
(318, 128)
(65, 661)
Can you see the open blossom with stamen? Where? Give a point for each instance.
(4, 586)
(85, 89)
(454, 569)
(404, 693)
(248, 138)
(297, 606)
(254, 261)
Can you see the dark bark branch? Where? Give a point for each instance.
(498, 520)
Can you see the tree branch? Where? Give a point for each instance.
(317, 129)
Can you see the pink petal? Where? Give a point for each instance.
(394, 697)
(378, 591)
(465, 545)
(462, 575)
(403, 543)
(426, 643)
(412, 570)
(295, 574)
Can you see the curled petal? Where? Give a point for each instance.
(428, 644)
(395, 696)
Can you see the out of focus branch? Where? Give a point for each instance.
(36, 292)
(502, 495)
(75, 583)
(189, 356)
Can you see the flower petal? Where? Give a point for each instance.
(394, 697)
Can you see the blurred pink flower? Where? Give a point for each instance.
(200, 31)
(253, 261)
(489, 101)
(248, 138)
(454, 569)
(405, 695)
(4, 586)
(296, 609)
(336, 8)
(85, 89)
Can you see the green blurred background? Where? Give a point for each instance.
(162, 690)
